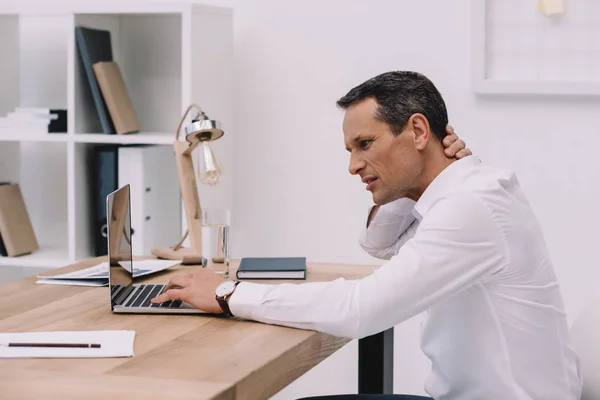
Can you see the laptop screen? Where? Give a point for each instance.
(118, 223)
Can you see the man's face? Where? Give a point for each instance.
(389, 165)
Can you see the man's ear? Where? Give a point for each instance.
(420, 126)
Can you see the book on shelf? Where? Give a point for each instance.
(272, 268)
(95, 45)
(116, 97)
(104, 180)
(16, 230)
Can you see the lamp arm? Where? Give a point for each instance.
(185, 115)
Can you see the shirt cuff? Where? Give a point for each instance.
(389, 223)
(246, 300)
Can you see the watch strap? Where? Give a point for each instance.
(223, 302)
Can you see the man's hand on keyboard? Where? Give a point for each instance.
(196, 288)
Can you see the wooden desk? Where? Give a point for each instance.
(176, 357)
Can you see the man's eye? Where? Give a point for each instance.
(364, 144)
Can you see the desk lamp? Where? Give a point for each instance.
(199, 133)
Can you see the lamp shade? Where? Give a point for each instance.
(203, 130)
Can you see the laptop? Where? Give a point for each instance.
(127, 296)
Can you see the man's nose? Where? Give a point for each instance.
(356, 164)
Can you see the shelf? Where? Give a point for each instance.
(16, 136)
(162, 52)
(506, 87)
(107, 7)
(133, 138)
(43, 258)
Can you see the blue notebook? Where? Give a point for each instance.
(272, 268)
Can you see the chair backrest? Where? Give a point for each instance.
(585, 337)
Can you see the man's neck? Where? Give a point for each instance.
(433, 166)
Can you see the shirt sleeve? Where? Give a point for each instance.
(457, 246)
(393, 225)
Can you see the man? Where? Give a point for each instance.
(463, 245)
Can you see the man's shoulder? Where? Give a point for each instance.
(495, 189)
(462, 216)
(487, 183)
(484, 185)
(461, 201)
(482, 171)
(472, 184)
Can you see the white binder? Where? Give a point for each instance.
(155, 196)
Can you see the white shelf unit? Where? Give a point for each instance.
(171, 55)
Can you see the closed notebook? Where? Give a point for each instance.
(272, 268)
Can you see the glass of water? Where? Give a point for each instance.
(215, 240)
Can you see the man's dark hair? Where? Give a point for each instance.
(399, 94)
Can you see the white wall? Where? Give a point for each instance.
(293, 194)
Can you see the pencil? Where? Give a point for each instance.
(84, 345)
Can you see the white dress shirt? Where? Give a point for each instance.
(470, 253)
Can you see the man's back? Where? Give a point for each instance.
(507, 334)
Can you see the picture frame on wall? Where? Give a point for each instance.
(517, 49)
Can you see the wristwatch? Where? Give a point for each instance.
(224, 290)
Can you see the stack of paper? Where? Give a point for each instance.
(35, 120)
(98, 274)
(112, 344)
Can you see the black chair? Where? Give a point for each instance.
(368, 397)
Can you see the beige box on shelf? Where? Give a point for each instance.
(16, 230)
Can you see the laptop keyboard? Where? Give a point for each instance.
(142, 295)
(115, 291)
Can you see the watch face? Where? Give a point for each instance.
(225, 288)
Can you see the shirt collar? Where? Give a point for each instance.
(447, 180)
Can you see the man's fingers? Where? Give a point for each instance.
(450, 139)
(457, 146)
(463, 153)
(449, 129)
(171, 294)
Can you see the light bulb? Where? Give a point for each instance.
(209, 170)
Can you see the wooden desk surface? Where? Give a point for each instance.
(176, 357)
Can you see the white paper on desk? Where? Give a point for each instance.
(113, 344)
(100, 271)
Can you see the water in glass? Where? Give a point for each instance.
(215, 244)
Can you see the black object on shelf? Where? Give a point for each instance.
(58, 125)
(105, 181)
